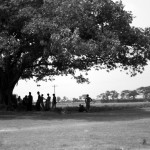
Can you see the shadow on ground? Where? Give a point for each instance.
(110, 115)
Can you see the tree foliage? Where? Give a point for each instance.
(109, 95)
(133, 94)
(114, 94)
(144, 91)
(129, 94)
(45, 38)
(126, 94)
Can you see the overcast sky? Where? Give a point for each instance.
(100, 81)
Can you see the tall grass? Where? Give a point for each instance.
(98, 107)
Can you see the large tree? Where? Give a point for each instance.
(125, 94)
(114, 94)
(44, 38)
(133, 94)
(144, 91)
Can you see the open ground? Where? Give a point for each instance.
(105, 130)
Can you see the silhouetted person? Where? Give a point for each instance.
(87, 102)
(54, 102)
(24, 102)
(30, 102)
(41, 102)
(48, 103)
(38, 102)
(81, 108)
(19, 101)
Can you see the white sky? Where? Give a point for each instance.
(100, 81)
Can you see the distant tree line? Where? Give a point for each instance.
(142, 92)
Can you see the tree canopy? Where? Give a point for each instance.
(145, 91)
(45, 38)
(126, 94)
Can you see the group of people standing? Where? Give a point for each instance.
(27, 102)
(41, 103)
(47, 103)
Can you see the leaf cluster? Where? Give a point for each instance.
(40, 38)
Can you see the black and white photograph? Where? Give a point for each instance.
(74, 75)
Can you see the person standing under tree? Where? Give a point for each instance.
(38, 102)
(54, 102)
(87, 102)
(42, 101)
(48, 103)
(24, 102)
(30, 102)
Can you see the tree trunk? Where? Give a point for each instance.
(6, 96)
(7, 84)
(2, 97)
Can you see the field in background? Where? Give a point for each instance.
(98, 107)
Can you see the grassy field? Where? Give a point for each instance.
(117, 129)
(98, 107)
